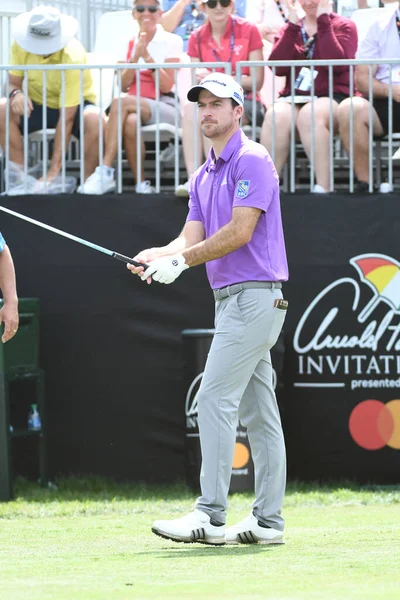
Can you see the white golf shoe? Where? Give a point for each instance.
(249, 531)
(195, 527)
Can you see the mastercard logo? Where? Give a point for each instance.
(241, 456)
(374, 425)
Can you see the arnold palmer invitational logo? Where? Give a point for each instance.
(349, 335)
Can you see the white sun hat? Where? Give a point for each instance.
(219, 84)
(44, 30)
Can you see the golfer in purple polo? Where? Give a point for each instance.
(234, 226)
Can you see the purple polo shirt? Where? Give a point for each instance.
(243, 175)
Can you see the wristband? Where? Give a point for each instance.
(14, 93)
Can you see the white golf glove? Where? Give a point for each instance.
(165, 269)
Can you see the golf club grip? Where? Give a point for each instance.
(126, 259)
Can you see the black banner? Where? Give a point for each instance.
(111, 346)
(342, 364)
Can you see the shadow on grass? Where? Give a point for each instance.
(199, 550)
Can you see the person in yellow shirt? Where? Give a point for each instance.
(44, 36)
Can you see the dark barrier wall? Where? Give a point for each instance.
(111, 346)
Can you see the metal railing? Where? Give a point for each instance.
(330, 64)
(175, 137)
(157, 130)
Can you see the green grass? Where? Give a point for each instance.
(91, 539)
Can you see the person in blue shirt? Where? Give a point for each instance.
(184, 16)
(9, 310)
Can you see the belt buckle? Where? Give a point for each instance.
(223, 293)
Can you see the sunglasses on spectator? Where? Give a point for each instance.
(223, 3)
(151, 9)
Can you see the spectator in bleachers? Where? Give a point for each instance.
(269, 15)
(44, 36)
(223, 38)
(322, 34)
(381, 41)
(152, 44)
(184, 16)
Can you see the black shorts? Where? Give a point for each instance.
(381, 105)
(35, 121)
(248, 111)
(339, 97)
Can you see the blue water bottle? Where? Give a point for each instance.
(34, 422)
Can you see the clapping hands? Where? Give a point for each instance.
(293, 16)
(324, 8)
(141, 47)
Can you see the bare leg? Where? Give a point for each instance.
(317, 124)
(360, 132)
(92, 121)
(16, 153)
(187, 139)
(281, 112)
(128, 106)
(130, 142)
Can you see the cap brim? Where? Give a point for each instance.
(69, 28)
(194, 92)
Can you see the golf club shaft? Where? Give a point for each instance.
(75, 238)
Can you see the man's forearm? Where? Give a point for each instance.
(226, 240)
(14, 83)
(179, 244)
(7, 277)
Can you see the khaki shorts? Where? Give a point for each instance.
(166, 111)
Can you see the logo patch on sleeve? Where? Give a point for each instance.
(242, 189)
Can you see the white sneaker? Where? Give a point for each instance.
(195, 527)
(97, 183)
(318, 189)
(182, 190)
(144, 187)
(385, 188)
(249, 531)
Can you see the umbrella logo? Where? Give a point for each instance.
(382, 274)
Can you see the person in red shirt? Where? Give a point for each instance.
(224, 38)
(322, 34)
(151, 45)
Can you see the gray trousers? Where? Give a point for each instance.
(237, 383)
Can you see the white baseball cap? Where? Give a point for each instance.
(44, 30)
(219, 84)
